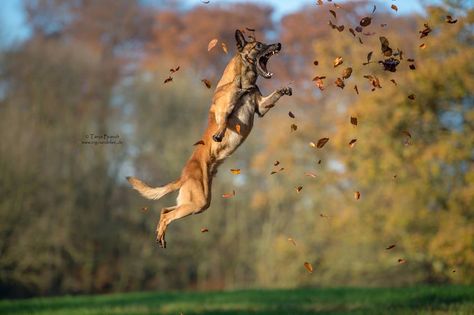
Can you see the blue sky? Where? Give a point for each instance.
(12, 19)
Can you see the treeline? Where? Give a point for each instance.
(69, 223)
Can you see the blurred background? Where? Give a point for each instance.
(69, 222)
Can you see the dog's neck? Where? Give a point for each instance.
(237, 67)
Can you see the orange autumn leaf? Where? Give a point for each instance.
(235, 171)
(308, 267)
(356, 195)
(352, 143)
(322, 142)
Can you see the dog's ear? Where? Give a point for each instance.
(240, 39)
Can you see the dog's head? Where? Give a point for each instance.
(256, 53)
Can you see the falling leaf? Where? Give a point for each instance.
(394, 7)
(204, 230)
(346, 73)
(386, 50)
(169, 79)
(144, 209)
(411, 97)
(308, 267)
(237, 128)
(212, 44)
(199, 142)
(315, 62)
(229, 195)
(356, 195)
(365, 21)
(401, 261)
(280, 170)
(369, 57)
(224, 47)
(449, 19)
(291, 114)
(360, 40)
(293, 127)
(333, 13)
(406, 133)
(298, 189)
(390, 64)
(351, 30)
(340, 28)
(174, 70)
(423, 46)
(424, 32)
(374, 81)
(235, 171)
(207, 83)
(352, 143)
(310, 174)
(276, 163)
(340, 83)
(354, 121)
(393, 81)
(412, 67)
(356, 89)
(390, 247)
(292, 241)
(319, 82)
(319, 2)
(373, 10)
(337, 61)
(322, 142)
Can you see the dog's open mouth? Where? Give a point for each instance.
(263, 59)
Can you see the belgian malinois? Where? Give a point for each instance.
(237, 86)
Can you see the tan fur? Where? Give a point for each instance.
(195, 181)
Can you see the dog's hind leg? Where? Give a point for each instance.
(192, 199)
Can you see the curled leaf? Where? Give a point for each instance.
(352, 143)
(319, 82)
(235, 171)
(291, 115)
(333, 13)
(424, 32)
(298, 189)
(449, 19)
(337, 61)
(204, 230)
(173, 70)
(308, 267)
(394, 7)
(401, 261)
(207, 83)
(340, 83)
(168, 79)
(390, 247)
(346, 73)
(322, 142)
(212, 44)
(356, 195)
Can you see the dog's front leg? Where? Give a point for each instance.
(264, 103)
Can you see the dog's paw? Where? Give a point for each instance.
(217, 138)
(286, 91)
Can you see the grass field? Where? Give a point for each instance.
(418, 300)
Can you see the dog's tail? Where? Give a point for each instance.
(153, 192)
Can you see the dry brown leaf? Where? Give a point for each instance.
(411, 97)
(365, 21)
(235, 171)
(351, 30)
(173, 70)
(323, 216)
(276, 163)
(212, 44)
(339, 83)
(322, 142)
(347, 73)
(319, 82)
(310, 174)
(394, 7)
(369, 57)
(356, 89)
(356, 195)
(333, 13)
(308, 267)
(204, 230)
(423, 46)
(144, 209)
(385, 46)
(354, 121)
(207, 83)
(168, 79)
(412, 67)
(319, 162)
(401, 261)
(199, 142)
(337, 61)
(291, 114)
(298, 189)
(293, 127)
(424, 32)
(390, 247)
(352, 143)
(394, 82)
(292, 241)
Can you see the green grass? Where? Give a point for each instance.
(416, 300)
